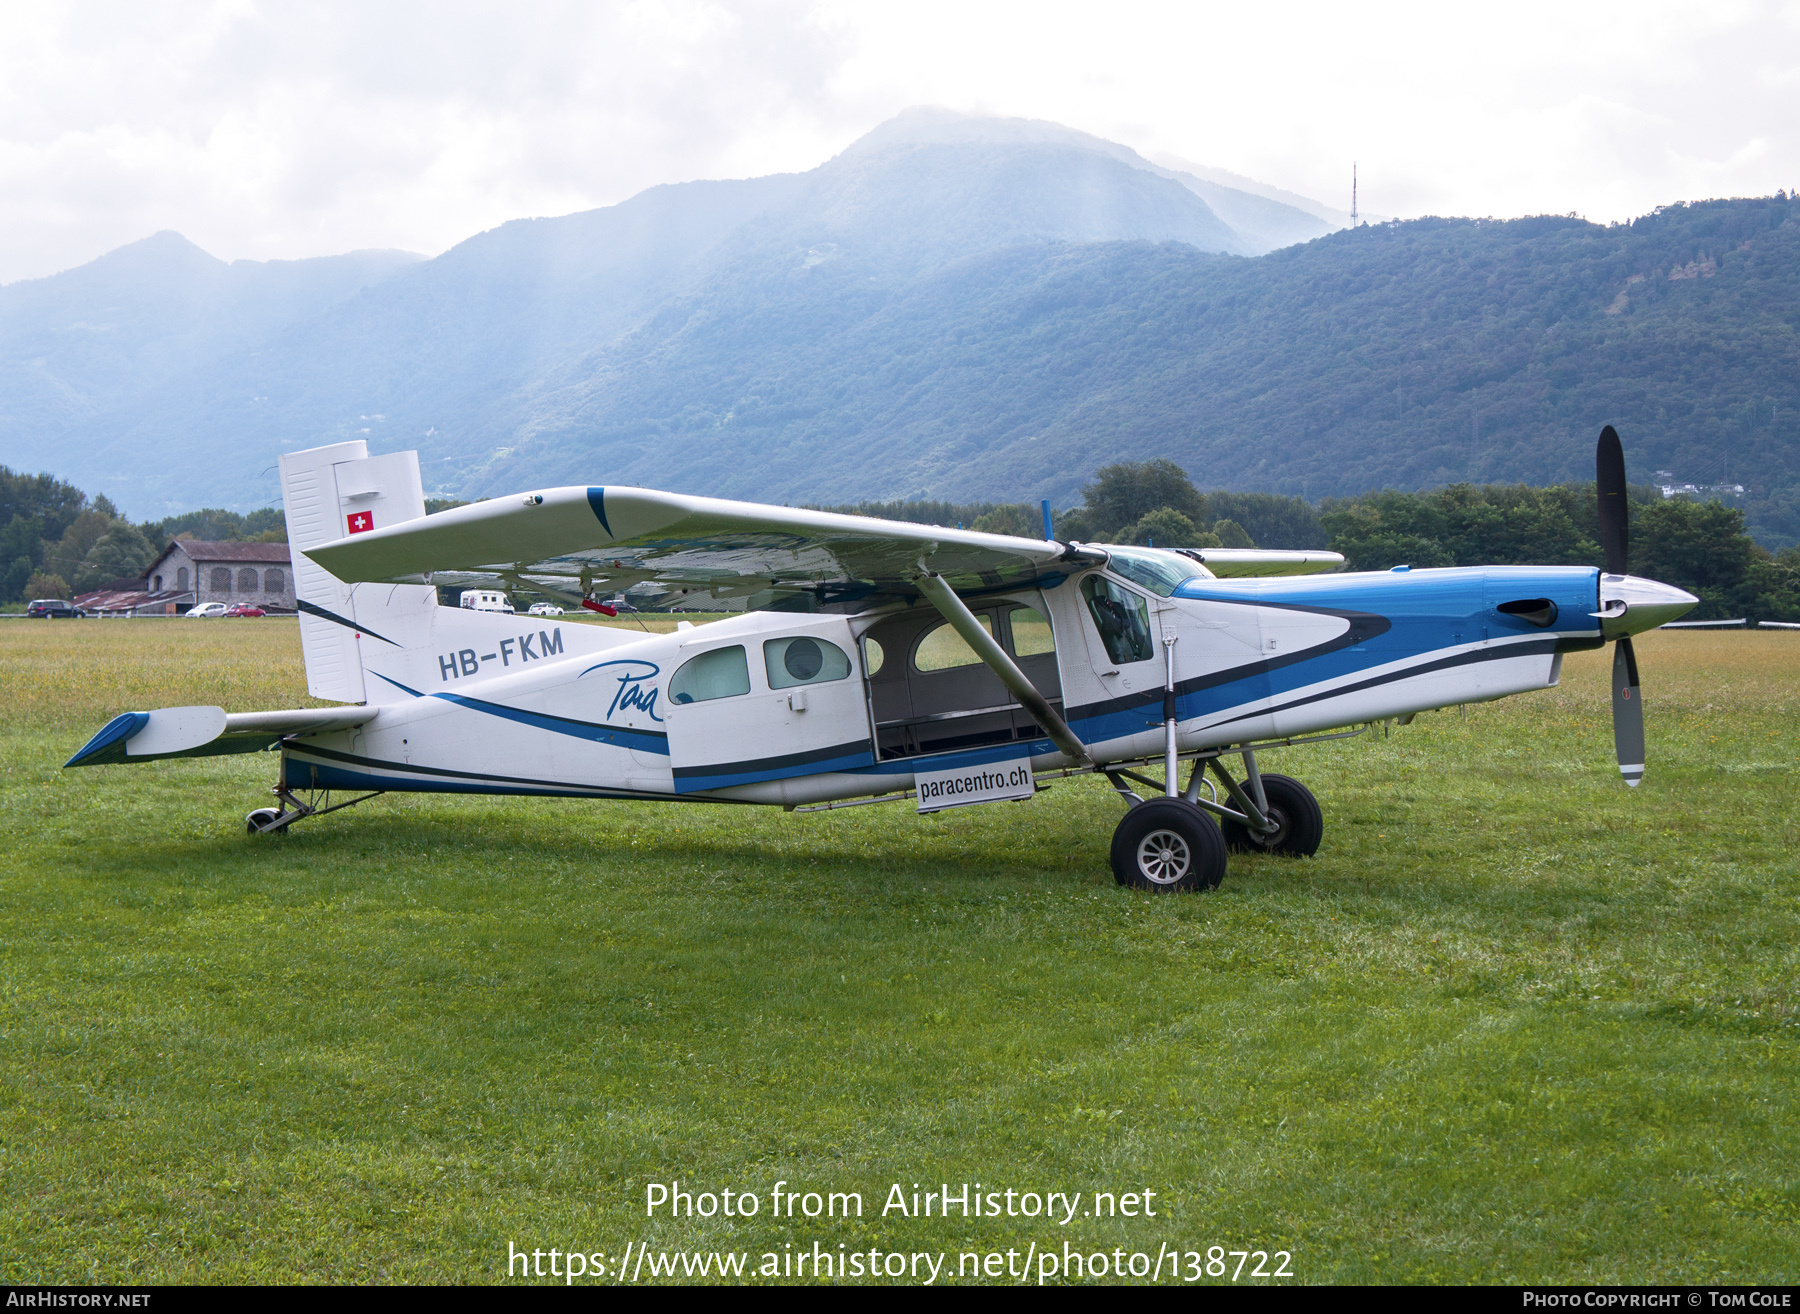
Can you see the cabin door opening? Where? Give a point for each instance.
(930, 693)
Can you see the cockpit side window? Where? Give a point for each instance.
(1122, 619)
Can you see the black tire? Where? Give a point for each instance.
(1292, 805)
(1168, 844)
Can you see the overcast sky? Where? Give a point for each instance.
(265, 130)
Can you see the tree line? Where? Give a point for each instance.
(57, 542)
(1694, 544)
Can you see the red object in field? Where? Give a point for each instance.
(600, 607)
(361, 522)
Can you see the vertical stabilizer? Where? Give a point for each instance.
(329, 492)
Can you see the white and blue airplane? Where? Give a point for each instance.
(875, 661)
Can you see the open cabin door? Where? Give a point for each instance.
(748, 708)
(929, 692)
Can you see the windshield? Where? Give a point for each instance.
(1160, 572)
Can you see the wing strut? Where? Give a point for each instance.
(954, 610)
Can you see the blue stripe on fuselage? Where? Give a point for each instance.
(697, 778)
(645, 741)
(1417, 613)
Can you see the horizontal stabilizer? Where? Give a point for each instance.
(206, 732)
(1236, 563)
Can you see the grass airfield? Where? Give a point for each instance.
(1514, 1024)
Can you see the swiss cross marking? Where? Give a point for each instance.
(361, 522)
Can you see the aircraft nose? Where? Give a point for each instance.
(1631, 605)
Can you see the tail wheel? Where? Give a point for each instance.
(1294, 810)
(1167, 844)
(254, 823)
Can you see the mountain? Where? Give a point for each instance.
(1259, 218)
(79, 345)
(1406, 355)
(952, 307)
(452, 352)
(1330, 216)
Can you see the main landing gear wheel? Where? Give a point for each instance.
(1168, 844)
(1296, 813)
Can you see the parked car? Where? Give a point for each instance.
(54, 609)
(246, 609)
(545, 609)
(207, 610)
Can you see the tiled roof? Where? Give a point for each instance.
(118, 599)
(274, 554)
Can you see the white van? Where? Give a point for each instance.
(486, 600)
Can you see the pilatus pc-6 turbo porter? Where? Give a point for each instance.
(876, 660)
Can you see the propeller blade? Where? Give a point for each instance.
(1615, 518)
(1628, 713)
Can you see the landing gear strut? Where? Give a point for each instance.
(275, 821)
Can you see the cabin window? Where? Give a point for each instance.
(1122, 619)
(722, 673)
(943, 649)
(273, 581)
(803, 660)
(1031, 635)
(221, 579)
(873, 655)
(181, 580)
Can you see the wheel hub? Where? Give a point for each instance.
(1273, 838)
(1164, 857)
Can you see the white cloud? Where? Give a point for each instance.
(267, 130)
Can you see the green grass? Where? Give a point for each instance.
(1514, 1024)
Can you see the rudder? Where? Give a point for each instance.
(328, 492)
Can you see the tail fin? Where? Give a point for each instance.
(328, 492)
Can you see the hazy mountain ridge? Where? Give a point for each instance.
(951, 307)
(453, 353)
(80, 343)
(1261, 218)
(1409, 355)
(1331, 216)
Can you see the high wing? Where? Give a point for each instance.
(1233, 563)
(609, 539)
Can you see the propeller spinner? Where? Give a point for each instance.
(1628, 605)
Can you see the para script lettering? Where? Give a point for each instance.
(634, 691)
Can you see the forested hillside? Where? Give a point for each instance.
(1409, 355)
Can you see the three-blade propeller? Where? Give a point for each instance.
(1615, 541)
